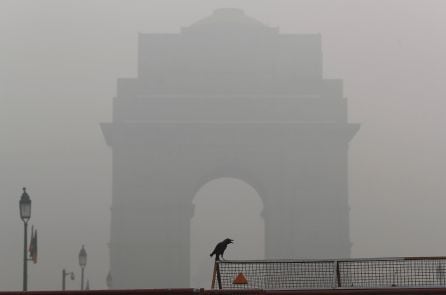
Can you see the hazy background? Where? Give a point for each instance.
(59, 61)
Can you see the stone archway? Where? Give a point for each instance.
(228, 96)
(225, 207)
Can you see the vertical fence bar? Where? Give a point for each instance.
(219, 277)
(338, 275)
(213, 275)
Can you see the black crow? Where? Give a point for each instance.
(220, 248)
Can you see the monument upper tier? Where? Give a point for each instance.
(227, 19)
(229, 67)
(228, 53)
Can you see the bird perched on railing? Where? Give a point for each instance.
(220, 248)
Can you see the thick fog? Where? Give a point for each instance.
(59, 63)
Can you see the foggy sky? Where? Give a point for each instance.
(59, 61)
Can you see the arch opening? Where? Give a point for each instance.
(225, 208)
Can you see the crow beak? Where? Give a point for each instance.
(231, 241)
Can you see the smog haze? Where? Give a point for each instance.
(60, 62)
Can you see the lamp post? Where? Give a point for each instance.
(25, 215)
(64, 275)
(109, 280)
(82, 264)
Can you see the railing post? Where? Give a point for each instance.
(336, 275)
(219, 277)
(216, 273)
(213, 275)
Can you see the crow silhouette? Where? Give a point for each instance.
(220, 248)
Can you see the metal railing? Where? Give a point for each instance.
(402, 272)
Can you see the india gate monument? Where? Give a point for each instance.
(227, 96)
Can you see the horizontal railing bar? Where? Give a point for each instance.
(331, 260)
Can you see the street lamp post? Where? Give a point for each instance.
(25, 215)
(109, 280)
(82, 264)
(64, 275)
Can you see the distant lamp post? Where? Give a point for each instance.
(25, 215)
(64, 275)
(109, 280)
(82, 264)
